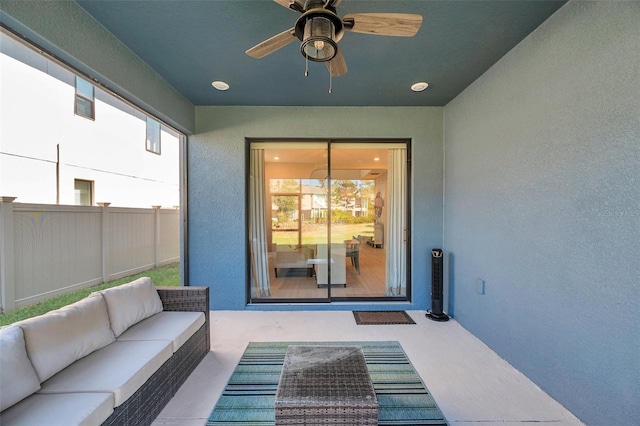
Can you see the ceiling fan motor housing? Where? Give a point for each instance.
(319, 29)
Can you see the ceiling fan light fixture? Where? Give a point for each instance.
(318, 42)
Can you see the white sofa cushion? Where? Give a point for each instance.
(66, 409)
(121, 368)
(130, 303)
(58, 338)
(18, 379)
(174, 326)
(291, 259)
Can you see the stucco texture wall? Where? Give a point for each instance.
(542, 202)
(217, 185)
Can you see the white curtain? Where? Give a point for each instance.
(396, 223)
(260, 286)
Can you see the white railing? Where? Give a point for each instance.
(47, 250)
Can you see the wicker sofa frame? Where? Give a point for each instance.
(146, 403)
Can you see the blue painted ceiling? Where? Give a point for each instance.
(192, 43)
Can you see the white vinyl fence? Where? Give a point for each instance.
(47, 250)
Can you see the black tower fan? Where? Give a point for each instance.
(436, 312)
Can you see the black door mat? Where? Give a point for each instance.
(382, 317)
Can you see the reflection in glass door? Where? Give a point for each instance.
(285, 219)
(327, 221)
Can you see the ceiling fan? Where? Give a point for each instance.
(320, 29)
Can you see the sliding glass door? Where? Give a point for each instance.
(327, 220)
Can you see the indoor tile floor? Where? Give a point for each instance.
(471, 384)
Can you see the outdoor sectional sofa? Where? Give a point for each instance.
(116, 357)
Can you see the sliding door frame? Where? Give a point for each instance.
(329, 299)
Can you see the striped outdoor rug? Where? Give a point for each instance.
(249, 397)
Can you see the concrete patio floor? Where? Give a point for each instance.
(470, 383)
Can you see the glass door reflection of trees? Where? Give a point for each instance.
(285, 219)
(317, 234)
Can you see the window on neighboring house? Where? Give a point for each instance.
(84, 99)
(83, 192)
(153, 136)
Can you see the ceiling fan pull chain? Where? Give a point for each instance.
(306, 66)
(330, 79)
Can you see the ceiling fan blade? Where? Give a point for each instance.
(332, 3)
(337, 66)
(389, 24)
(296, 5)
(269, 46)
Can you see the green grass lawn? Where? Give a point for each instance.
(317, 234)
(164, 276)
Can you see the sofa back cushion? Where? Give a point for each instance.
(130, 303)
(58, 338)
(18, 379)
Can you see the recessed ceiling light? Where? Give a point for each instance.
(276, 158)
(419, 87)
(220, 85)
(376, 159)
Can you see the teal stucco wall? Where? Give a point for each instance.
(542, 202)
(217, 182)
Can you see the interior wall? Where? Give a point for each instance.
(217, 186)
(287, 171)
(542, 203)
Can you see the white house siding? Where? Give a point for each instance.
(37, 116)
